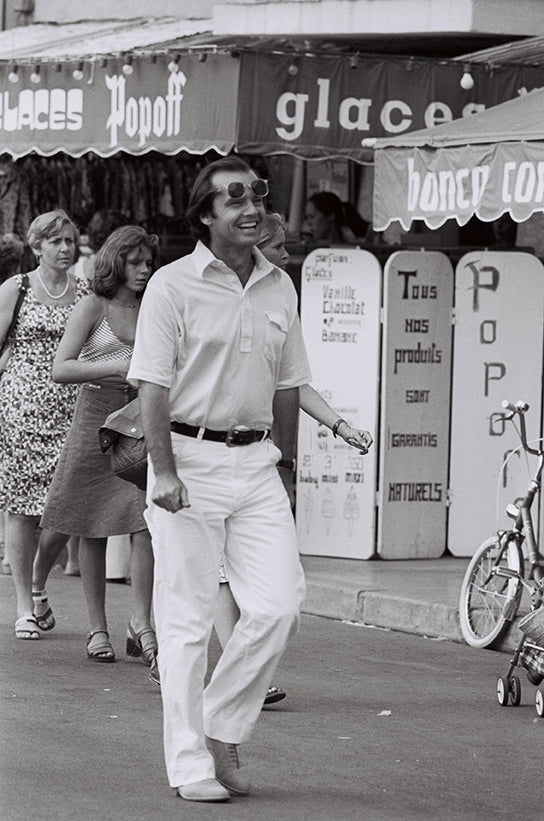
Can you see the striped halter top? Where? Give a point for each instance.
(103, 343)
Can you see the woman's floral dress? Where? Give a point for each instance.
(35, 412)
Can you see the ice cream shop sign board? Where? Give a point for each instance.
(416, 369)
(145, 105)
(341, 324)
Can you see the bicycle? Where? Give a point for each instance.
(495, 579)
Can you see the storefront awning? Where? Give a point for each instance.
(136, 106)
(486, 165)
(114, 86)
(327, 106)
(170, 85)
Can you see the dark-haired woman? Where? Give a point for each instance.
(34, 412)
(85, 499)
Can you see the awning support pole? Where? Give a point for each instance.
(296, 205)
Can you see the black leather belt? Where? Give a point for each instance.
(233, 437)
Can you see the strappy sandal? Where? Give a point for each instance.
(136, 648)
(154, 675)
(42, 612)
(102, 649)
(26, 628)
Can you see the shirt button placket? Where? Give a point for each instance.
(246, 339)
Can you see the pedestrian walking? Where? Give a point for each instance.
(218, 344)
(85, 498)
(34, 411)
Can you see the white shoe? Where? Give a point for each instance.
(207, 790)
(228, 771)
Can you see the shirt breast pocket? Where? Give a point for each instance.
(276, 334)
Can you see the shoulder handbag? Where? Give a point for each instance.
(122, 432)
(5, 351)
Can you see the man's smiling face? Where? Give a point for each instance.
(234, 223)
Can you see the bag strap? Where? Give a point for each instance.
(23, 288)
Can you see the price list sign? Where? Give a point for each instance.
(499, 310)
(336, 485)
(416, 371)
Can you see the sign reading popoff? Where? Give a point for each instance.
(101, 108)
(336, 485)
(414, 427)
(499, 305)
(328, 105)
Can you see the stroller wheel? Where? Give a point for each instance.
(502, 691)
(515, 691)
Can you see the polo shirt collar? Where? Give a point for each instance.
(204, 259)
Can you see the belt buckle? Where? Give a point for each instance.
(238, 435)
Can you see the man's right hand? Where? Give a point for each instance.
(170, 493)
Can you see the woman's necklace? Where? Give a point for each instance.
(48, 292)
(123, 305)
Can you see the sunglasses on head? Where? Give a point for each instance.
(237, 190)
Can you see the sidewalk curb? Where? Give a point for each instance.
(380, 609)
(410, 616)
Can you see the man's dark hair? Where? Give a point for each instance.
(329, 204)
(203, 193)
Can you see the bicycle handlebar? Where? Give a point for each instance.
(520, 408)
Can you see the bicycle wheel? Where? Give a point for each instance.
(488, 602)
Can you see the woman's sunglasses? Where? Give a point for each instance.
(237, 190)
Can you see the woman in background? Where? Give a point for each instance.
(35, 413)
(86, 499)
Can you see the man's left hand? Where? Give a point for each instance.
(360, 439)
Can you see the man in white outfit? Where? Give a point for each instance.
(218, 355)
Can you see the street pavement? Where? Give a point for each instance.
(82, 740)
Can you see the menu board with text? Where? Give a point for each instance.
(418, 301)
(336, 485)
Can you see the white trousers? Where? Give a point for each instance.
(239, 506)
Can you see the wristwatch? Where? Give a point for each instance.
(337, 425)
(289, 464)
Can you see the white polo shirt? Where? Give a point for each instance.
(221, 349)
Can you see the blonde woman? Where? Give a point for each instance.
(35, 412)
